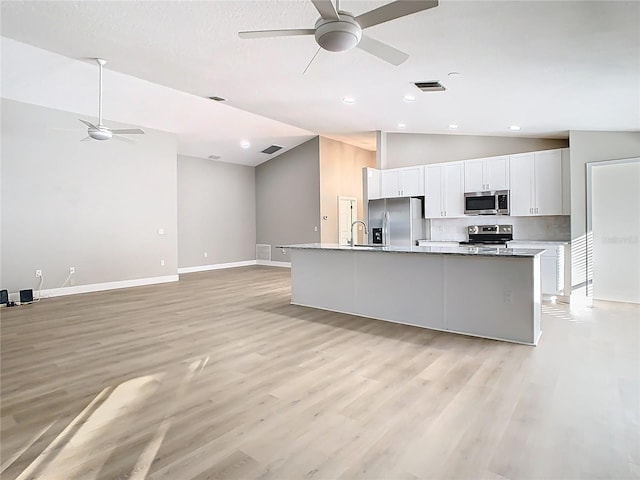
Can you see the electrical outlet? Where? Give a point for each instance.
(508, 297)
(38, 273)
(72, 269)
(206, 254)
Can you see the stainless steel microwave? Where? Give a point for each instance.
(487, 203)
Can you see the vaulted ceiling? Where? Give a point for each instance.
(547, 67)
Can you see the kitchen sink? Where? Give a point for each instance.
(369, 245)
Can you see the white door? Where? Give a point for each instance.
(347, 214)
(615, 222)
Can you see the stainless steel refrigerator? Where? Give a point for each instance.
(396, 221)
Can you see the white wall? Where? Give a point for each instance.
(216, 212)
(590, 146)
(615, 215)
(96, 206)
(407, 149)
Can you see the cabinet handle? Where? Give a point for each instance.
(536, 209)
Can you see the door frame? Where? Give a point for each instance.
(354, 215)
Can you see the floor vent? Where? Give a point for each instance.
(430, 86)
(272, 149)
(263, 252)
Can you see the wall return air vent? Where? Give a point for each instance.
(272, 149)
(430, 86)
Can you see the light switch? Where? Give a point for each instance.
(161, 231)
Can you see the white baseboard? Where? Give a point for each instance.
(271, 263)
(216, 266)
(99, 287)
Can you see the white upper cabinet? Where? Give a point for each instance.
(402, 182)
(536, 183)
(491, 173)
(444, 196)
(373, 183)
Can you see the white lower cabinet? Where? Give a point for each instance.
(444, 190)
(552, 265)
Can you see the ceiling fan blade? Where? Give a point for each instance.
(276, 33)
(326, 9)
(86, 139)
(123, 139)
(88, 124)
(393, 10)
(382, 50)
(128, 131)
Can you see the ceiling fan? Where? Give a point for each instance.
(339, 31)
(100, 131)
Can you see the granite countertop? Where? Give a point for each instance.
(483, 251)
(543, 242)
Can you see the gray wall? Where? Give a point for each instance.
(288, 199)
(216, 212)
(591, 146)
(407, 149)
(96, 206)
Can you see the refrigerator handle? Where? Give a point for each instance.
(385, 228)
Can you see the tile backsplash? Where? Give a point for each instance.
(556, 228)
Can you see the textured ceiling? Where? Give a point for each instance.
(549, 67)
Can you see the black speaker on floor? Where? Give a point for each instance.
(26, 296)
(4, 297)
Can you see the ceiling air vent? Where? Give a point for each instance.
(214, 157)
(272, 149)
(430, 86)
(217, 99)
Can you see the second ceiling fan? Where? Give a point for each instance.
(339, 31)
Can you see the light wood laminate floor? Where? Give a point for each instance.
(219, 377)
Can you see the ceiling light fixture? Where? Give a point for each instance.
(401, 126)
(409, 98)
(454, 74)
(514, 128)
(245, 144)
(340, 35)
(349, 100)
(453, 127)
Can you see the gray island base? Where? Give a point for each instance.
(486, 292)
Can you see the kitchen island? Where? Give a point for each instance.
(480, 291)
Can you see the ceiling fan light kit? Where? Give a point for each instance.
(338, 36)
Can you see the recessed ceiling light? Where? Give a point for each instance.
(349, 100)
(453, 127)
(409, 98)
(245, 144)
(514, 128)
(401, 126)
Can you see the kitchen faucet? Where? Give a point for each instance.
(366, 231)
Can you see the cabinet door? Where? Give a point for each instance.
(549, 275)
(548, 183)
(411, 182)
(566, 182)
(474, 176)
(496, 173)
(522, 181)
(390, 183)
(433, 191)
(453, 190)
(373, 184)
